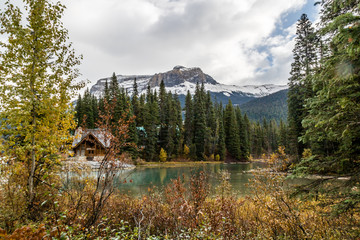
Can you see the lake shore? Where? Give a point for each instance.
(82, 164)
(195, 163)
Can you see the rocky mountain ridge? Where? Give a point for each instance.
(180, 80)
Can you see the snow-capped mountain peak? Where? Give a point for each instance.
(180, 80)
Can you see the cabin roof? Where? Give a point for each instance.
(98, 134)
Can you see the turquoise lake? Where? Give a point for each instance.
(138, 181)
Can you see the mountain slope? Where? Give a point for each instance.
(273, 106)
(179, 80)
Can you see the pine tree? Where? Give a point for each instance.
(114, 89)
(256, 139)
(178, 125)
(273, 136)
(332, 125)
(107, 91)
(151, 121)
(243, 155)
(118, 98)
(231, 131)
(299, 81)
(212, 125)
(188, 123)
(104, 97)
(199, 122)
(265, 136)
(95, 109)
(79, 110)
(283, 135)
(246, 135)
(135, 89)
(141, 110)
(221, 148)
(135, 102)
(170, 124)
(88, 110)
(164, 108)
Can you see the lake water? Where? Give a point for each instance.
(138, 181)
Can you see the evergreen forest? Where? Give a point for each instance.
(203, 130)
(46, 194)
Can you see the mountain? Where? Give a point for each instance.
(273, 106)
(180, 79)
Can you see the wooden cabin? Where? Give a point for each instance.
(89, 143)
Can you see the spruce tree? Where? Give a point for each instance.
(243, 154)
(199, 122)
(95, 109)
(107, 91)
(135, 89)
(188, 123)
(266, 136)
(212, 125)
(246, 134)
(88, 110)
(221, 147)
(164, 108)
(231, 131)
(151, 122)
(170, 124)
(114, 87)
(283, 135)
(332, 125)
(141, 110)
(118, 98)
(79, 110)
(299, 81)
(178, 125)
(135, 102)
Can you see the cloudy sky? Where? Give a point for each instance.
(235, 41)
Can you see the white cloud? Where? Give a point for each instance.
(148, 36)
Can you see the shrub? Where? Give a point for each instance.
(163, 155)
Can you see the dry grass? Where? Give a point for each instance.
(187, 212)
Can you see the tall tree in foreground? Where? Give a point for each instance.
(332, 125)
(333, 121)
(299, 81)
(36, 85)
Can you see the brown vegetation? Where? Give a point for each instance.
(187, 212)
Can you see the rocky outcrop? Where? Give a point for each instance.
(179, 75)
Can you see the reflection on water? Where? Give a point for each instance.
(138, 181)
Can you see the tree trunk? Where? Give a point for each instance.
(32, 169)
(33, 141)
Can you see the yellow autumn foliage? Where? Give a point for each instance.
(163, 155)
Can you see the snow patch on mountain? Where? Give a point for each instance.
(262, 90)
(180, 80)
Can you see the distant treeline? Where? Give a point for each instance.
(273, 106)
(202, 130)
